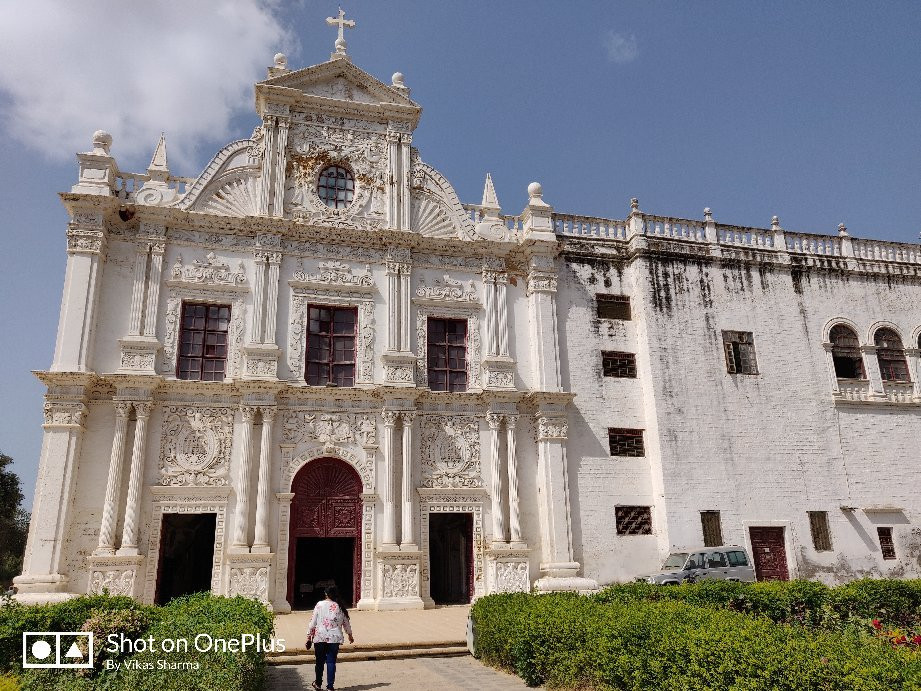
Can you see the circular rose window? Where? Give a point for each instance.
(336, 187)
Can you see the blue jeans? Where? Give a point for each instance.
(326, 652)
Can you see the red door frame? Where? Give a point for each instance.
(333, 489)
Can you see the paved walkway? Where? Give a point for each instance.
(409, 627)
(418, 674)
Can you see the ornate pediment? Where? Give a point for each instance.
(435, 209)
(342, 81)
(227, 186)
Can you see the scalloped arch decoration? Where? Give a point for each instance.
(236, 196)
(236, 156)
(436, 210)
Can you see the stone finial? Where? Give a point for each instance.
(842, 230)
(281, 61)
(708, 215)
(490, 200)
(102, 142)
(158, 163)
(634, 205)
(396, 81)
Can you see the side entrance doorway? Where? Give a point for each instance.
(325, 540)
(769, 554)
(451, 557)
(186, 555)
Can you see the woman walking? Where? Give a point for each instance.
(325, 632)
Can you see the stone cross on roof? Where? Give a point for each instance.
(343, 24)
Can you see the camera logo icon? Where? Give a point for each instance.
(57, 649)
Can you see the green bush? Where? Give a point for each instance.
(806, 602)
(573, 642)
(218, 617)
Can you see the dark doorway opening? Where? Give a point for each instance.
(451, 557)
(186, 555)
(323, 561)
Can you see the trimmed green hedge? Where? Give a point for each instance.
(894, 602)
(570, 641)
(186, 617)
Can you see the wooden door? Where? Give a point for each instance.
(769, 554)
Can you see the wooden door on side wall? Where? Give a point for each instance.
(769, 554)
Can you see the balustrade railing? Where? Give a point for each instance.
(877, 250)
(854, 389)
(127, 185)
(589, 226)
(740, 236)
(898, 391)
(476, 213)
(820, 245)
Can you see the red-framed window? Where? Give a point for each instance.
(203, 342)
(331, 345)
(447, 354)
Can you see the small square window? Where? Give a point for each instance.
(885, 542)
(613, 306)
(633, 520)
(626, 442)
(713, 531)
(739, 348)
(818, 526)
(617, 364)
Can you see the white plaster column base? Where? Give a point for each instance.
(52, 584)
(261, 361)
(507, 570)
(138, 355)
(398, 579)
(498, 373)
(117, 575)
(554, 584)
(399, 368)
(249, 575)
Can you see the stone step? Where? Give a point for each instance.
(380, 651)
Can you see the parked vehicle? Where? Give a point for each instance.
(727, 563)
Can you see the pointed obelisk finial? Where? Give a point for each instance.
(343, 24)
(158, 164)
(490, 200)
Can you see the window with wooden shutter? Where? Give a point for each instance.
(713, 531)
(739, 347)
(203, 342)
(818, 526)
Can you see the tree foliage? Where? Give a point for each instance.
(14, 523)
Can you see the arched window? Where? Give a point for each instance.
(845, 352)
(336, 187)
(891, 356)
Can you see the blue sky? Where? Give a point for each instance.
(810, 111)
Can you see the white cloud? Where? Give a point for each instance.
(132, 68)
(621, 47)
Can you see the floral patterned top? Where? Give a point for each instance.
(327, 623)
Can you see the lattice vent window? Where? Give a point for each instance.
(626, 442)
(739, 347)
(886, 543)
(613, 306)
(617, 364)
(633, 520)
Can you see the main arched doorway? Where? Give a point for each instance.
(325, 538)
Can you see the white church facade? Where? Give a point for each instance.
(312, 363)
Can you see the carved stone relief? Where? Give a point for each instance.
(450, 452)
(447, 289)
(211, 271)
(115, 582)
(400, 580)
(195, 446)
(510, 577)
(336, 275)
(329, 428)
(249, 581)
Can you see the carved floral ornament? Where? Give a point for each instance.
(555, 427)
(400, 580)
(211, 271)
(447, 289)
(64, 414)
(329, 428)
(90, 241)
(249, 581)
(195, 446)
(511, 577)
(335, 274)
(114, 582)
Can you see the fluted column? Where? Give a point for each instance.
(241, 521)
(514, 520)
(404, 307)
(261, 543)
(393, 307)
(114, 481)
(386, 483)
(489, 286)
(135, 480)
(153, 287)
(258, 300)
(271, 297)
(407, 540)
(495, 485)
(501, 303)
(137, 290)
